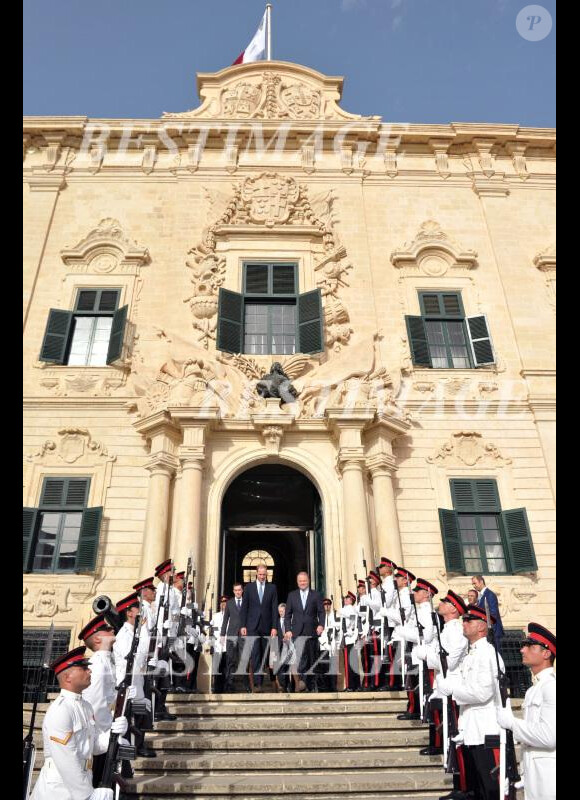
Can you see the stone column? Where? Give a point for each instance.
(163, 435)
(356, 520)
(388, 535)
(190, 536)
(161, 468)
(349, 424)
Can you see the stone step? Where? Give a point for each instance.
(273, 785)
(318, 761)
(283, 722)
(290, 697)
(283, 740)
(308, 796)
(330, 707)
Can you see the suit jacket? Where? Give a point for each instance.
(231, 622)
(259, 618)
(491, 598)
(304, 621)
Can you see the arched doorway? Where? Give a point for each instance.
(271, 514)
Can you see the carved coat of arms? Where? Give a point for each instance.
(241, 100)
(271, 198)
(302, 102)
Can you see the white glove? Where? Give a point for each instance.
(102, 794)
(504, 717)
(120, 725)
(131, 693)
(421, 652)
(444, 686)
(186, 612)
(152, 662)
(398, 635)
(162, 665)
(167, 624)
(147, 703)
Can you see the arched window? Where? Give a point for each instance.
(252, 561)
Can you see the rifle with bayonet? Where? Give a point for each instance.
(41, 683)
(421, 670)
(508, 765)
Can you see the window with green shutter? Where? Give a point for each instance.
(269, 316)
(444, 338)
(480, 538)
(62, 534)
(92, 334)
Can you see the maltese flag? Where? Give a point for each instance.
(256, 50)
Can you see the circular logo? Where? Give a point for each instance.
(534, 23)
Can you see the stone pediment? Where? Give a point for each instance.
(268, 90)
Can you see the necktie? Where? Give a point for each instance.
(303, 600)
(260, 590)
(239, 602)
(282, 624)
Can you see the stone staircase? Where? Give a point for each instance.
(309, 746)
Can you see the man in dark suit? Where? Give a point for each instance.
(305, 618)
(282, 667)
(230, 634)
(258, 617)
(484, 593)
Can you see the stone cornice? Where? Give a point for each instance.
(161, 422)
(456, 133)
(382, 464)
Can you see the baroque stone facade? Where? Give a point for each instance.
(168, 211)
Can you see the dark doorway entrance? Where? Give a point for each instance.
(271, 514)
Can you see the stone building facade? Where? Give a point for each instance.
(404, 277)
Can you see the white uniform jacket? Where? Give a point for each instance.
(393, 611)
(101, 693)
(537, 734)
(216, 626)
(390, 595)
(330, 624)
(121, 649)
(71, 738)
(348, 631)
(455, 645)
(410, 632)
(477, 693)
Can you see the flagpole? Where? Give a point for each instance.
(269, 26)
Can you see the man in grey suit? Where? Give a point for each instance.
(258, 617)
(305, 618)
(230, 634)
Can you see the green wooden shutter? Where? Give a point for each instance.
(56, 336)
(115, 350)
(319, 569)
(481, 346)
(452, 548)
(283, 279)
(89, 539)
(64, 492)
(519, 540)
(29, 518)
(230, 321)
(310, 331)
(256, 278)
(475, 496)
(418, 342)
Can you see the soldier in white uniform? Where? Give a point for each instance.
(128, 609)
(348, 616)
(400, 607)
(476, 691)
(71, 737)
(537, 730)
(371, 650)
(388, 596)
(101, 693)
(219, 649)
(409, 634)
(328, 662)
(451, 608)
(164, 598)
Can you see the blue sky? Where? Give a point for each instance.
(431, 61)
